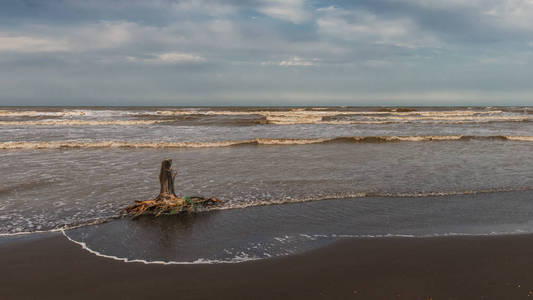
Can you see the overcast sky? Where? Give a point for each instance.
(259, 52)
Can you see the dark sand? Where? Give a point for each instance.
(497, 267)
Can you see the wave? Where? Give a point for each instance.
(80, 122)
(33, 113)
(273, 116)
(367, 195)
(520, 138)
(301, 116)
(325, 112)
(257, 141)
(63, 227)
(273, 121)
(203, 111)
(228, 205)
(69, 113)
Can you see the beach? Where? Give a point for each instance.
(317, 202)
(461, 267)
(266, 149)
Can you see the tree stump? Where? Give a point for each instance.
(166, 179)
(167, 203)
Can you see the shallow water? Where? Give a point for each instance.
(270, 231)
(51, 188)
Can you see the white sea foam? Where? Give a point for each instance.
(59, 229)
(301, 116)
(33, 113)
(80, 122)
(258, 141)
(316, 111)
(243, 257)
(290, 200)
(229, 205)
(236, 259)
(69, 113)
(10, 234)
(430, 235)
(520, 138)
(323, 112)
(283, 117)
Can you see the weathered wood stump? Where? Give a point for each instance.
(167, 203)
(166, 178)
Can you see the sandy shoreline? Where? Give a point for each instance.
(492, 267)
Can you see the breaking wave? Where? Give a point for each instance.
(335, 117)
(33, 113)
(95, 117)
(80, 122)
(68, 113)
(324, 112)
(257, 141)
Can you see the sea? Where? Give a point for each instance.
(291, 178)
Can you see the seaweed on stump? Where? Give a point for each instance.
(167, 203)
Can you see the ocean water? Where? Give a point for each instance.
(291, 178)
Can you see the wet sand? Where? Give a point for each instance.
(494, 267)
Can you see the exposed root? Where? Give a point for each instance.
(165, 204)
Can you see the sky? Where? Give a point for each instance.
(259, 52)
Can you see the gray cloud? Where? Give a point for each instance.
(253, 52)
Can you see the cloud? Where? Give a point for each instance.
(174, 57)
(292, 62)
(41, 38)
(169, 58)
(28, 44)
(296, 61)
(501, 13)
(464, 21)
(283, 48)
(290, 10)
(103, 35)
(367, 27)
(513, 13)
(216, 8)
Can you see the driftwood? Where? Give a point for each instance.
(166, 178)
(167, 203)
